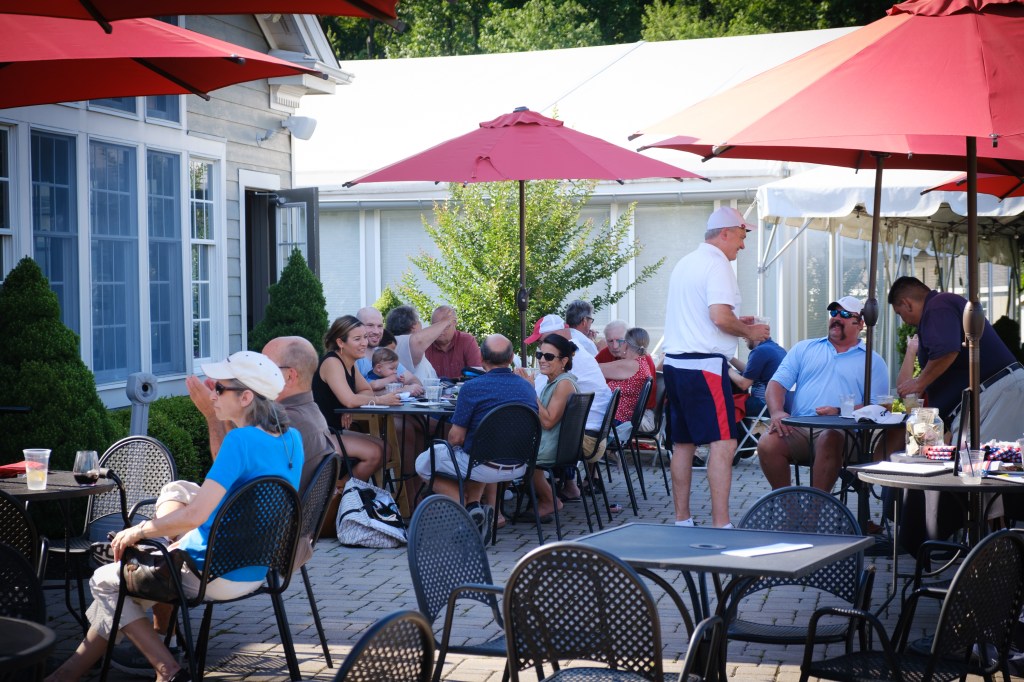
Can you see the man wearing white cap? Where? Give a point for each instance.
(701, 332)
(822, 370)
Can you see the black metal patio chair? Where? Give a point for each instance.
(972, 636)
(570, 451)
(566, 601)
(397, 648)
(653, 435)
(448, 563)
(18, 531)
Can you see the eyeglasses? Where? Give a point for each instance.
(616, 341)
(221, 388)
(550, 357)
(589, 318)
(845, 314)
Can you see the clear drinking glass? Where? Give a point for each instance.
(37, 462)
(87, 470)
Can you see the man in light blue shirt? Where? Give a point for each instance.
(821, 370)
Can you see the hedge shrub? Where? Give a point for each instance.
(297, 307)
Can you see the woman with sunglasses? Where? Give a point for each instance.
(261, 444)
(554, 359)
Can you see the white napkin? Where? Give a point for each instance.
(777, 548)
(877, 414)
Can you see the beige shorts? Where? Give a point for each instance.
(590, 453)
(178, 491)
(799, 444)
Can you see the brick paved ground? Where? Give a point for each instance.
(355, 587)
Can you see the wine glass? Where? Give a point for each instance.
(87, 470)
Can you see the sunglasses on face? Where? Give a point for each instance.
(220, 388)
(550, 357)
(845, 314)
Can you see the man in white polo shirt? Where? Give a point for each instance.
(701, 331)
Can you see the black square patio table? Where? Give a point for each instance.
(649, 546)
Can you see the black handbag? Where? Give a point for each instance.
(149, 573)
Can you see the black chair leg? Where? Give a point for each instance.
(316, 617)
(661, 463)
(204, 637)
(625, 474)
(635, 452)
(583, 496)
(286, 636)
(533, 499)
(105, 669)
(554, 501)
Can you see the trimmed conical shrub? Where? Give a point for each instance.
(297, 307)
(41, 367)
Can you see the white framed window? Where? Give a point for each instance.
(6, 229)
(123, 105)
(291, 235)
(114, 248)
(55, 218)
(166, 292)
(202, 206)
(163, 108)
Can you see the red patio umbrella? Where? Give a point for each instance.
(915, 89)
(1002, 186)
(45, 60)
(106, 11)
(524, 145)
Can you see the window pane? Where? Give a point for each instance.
(6, 234)
(201, 202)
(341, 249)
(164, 107)
(291, 235)
(54, 219)
(166, 307)
(126, 104)
(115, 278)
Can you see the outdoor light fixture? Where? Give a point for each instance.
(301, 127)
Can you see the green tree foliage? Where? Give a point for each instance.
(540, 25)
(387, 302)
(40, 367)
(297, 306)
(477, 234)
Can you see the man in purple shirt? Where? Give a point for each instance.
(943, 356)
(452, 350)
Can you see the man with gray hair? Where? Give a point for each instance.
(579, 315)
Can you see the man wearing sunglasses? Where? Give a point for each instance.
(821, 370)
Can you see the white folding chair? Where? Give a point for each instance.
(751, 427)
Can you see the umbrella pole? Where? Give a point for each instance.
(870, 312)
(974, 317)
(523, 297)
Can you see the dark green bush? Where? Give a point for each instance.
(41, 367)
(297, 307)
(176, 423)
(387, 302)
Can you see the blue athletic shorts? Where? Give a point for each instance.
(700, 398)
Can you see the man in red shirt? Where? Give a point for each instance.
(615, 338)
(452, 350)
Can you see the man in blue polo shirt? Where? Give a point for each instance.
(822, 370)
(497, 386)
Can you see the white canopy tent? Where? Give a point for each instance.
(928, 227)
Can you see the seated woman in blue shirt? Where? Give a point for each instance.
(262, 444)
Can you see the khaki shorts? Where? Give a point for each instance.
(799, 444)
(178, 491)
(592, 451)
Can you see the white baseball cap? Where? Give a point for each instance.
(854, 305)
(254, 370)
(545, 325)
(727, 216)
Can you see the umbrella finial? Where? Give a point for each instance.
(521, 109)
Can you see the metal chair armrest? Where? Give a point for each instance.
(852, 615)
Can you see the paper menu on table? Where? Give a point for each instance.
(777, 548)
(902, 468)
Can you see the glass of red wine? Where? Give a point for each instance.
(87, 470)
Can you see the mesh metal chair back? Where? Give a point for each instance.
(317, 497)
(808, 510)
(21, 594)
(568, 601)
(574, 422)
(446, 551)
(143, 465)
(641, 407)
(397, 648)
(18, 531)
(508, 434)
(258, 525)
(609, 416)
(985, 598)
